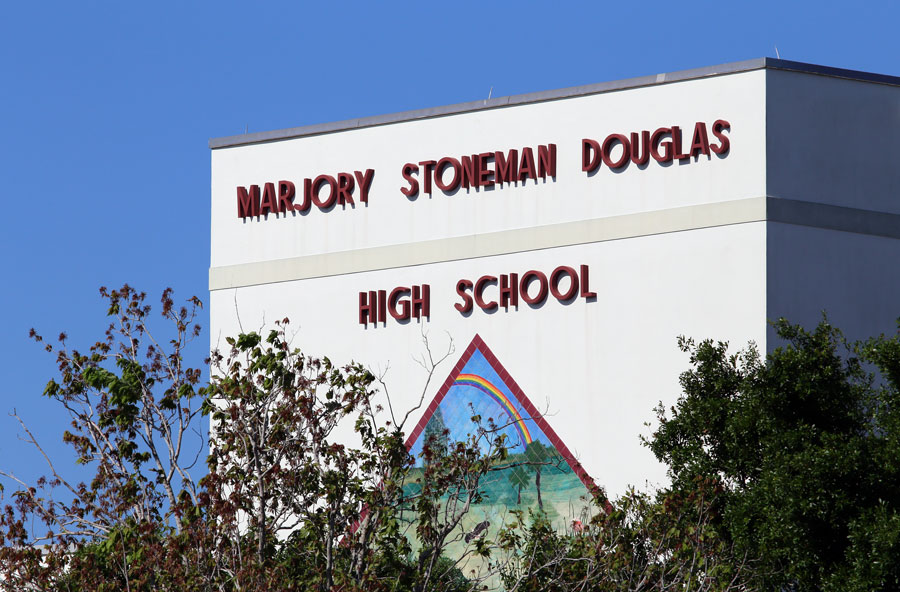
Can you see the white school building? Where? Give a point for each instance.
(562, 240)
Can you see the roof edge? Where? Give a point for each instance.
(548, 95)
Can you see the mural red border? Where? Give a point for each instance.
(530, 409)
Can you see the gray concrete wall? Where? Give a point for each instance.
(833, 140)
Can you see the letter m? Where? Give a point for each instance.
(248, 202)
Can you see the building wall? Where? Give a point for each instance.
(709, 247)
(392, 219)
(854, 278)
(597, 367)
(833, 141)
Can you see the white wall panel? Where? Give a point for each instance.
(599, 367)
(390, 218)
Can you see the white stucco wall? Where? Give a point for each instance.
(390, 218)
(598, 367)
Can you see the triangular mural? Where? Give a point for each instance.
(543, 475)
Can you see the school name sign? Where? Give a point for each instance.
(512, 167)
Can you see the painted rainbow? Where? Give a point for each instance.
(494, 393)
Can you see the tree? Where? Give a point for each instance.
(436, 430)
(134, 407)
(275, 466)
(639, 543)
(519, 478)
(806, 447)
(284, 505)
(537, 456)
(784, 476)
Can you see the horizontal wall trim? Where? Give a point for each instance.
(558, 235)
(818, 215)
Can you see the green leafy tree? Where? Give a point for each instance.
(806, 447)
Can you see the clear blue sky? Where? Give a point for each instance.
(107, 108)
